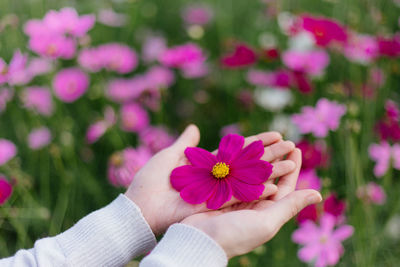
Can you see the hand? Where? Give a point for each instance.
(162, 205)
(242, 227)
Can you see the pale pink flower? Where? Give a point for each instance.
(308, 179)
(123, 165)
(373, 193)
(70, 84)
(321, 244)
(230, 129)
(38, 66)
(383, 154)
(38, 99)
(153, 47)
(53, 46)
(133, 117)
(195, 70)
(319, 120)
(310, 62)
(362, 49)
(18, 73)
(39, 138)
(91, 59)
(6, 94)
(117, 57)
(197, 14)
(124, 90)
(111, 18)
(7, 151)
(95, 131)
(159, 77)
(182, 55)
(156, 138)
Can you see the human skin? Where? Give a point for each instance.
(161, 205)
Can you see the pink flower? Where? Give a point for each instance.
(308, 213)
(389, 47)
(242, 56)
(383, 154)
(153, 48)
(70, 84)
(124, 90)
(313, 155)
(319, 120)
(195, 70)
(95, 131)
(310, 62)
(361, 48)
(38, 66)
(156, 138)
(38, 99)
(5, 190)
(197, 14)
(118, 57)
(133, 117)
(7, 151)
(323, 243)
(373, 193)
(230, 129)
(159, 77)
(3, 71)
(182, 55)
(90, 59)
(301, 81)
(233, 171)
(334, 206)
(53, 46)
(389, 127)
(280, 78)
(325, 30)
(111, 18)
(39, 138)
(308, 179)
(6, 94)
(17, 70)
(123, 165)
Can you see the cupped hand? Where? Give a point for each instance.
(162, 205)
(241, 227)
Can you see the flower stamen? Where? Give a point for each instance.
(220, 170)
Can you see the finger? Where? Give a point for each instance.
(287, 183)
(282, 168)
(267, 138)
(277, 150)
(189, 138)
(286, 208)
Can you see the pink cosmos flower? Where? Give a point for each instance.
(319, 120)
(6, 94)
(335, 207)
(195, 70)
(182, 55)
(111, 18)
(123, 165)
(133, 117)
(277, 79)
(70, 84)
(197, 14)
(5, 190)
(17, 69)
(325, 30)
(7, 151)
(383, 154)
(38, 99)
(39, 66)
(153, 47)
(372, 193)
(39, 138)
(156, 138)
(308, 179)
(323, 243)
(313, 155)
(230, 129)
(310, 62)
(95, 131)
(361, 48)
(389, 47)
(90, 59)
(233, 171)
(308, 213)
(53, 46)
(125, 90)
(118, 57)
(242, 56)
(159, 77)
(389, 126)
(301, 81)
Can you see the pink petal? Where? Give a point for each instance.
(252, 171)
(222, 194)
(343, 232)
(307, 233)
(184, 176)
(253, 151)
(245, 192)
(396, 156)
(199, 191)
(327, 223)
(200, 157)
(229, 147)
(309, 252)
(332, 253)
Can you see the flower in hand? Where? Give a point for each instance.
(233, 171)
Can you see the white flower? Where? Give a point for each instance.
(284, 125)
(273, 99)
(303, 41)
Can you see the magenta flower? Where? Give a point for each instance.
(313, 155)
(310, 62)
(361, 48)
(5, 190)
(38, 99)
(242, 56)
(233, 171)
(372, 193)
(319, 120)
(308, 179)
(308, 213)
(39, 138)
(279, 79)
(383, 154)
(70, 84)
(389, 127)
(7, 151)
(197, 14)
(156, 138)
(325, 31)
(133, 117)
(123, 165)
(182, 55)
(389, 47)
(335, 206)
(323, 243)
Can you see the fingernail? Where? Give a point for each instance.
(314, 198)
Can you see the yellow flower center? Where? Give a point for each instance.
(220, 170)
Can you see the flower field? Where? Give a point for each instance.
(90, 90)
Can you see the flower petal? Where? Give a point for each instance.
(184, 176)
(229, 147)
(306, 234)
(343, 232)
(245, 192)
(199, 191)
(251, 171)
(309, 252)
(253, 151)
(200, 157)
(222, 194)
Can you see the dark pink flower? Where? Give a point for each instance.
(156, 138)
(123, 165)
(233, 171)
(308, 213)
(325, 31)
(313, 155)
(39, 138)
(242, 56)
(133, 117)
(5, 190)
(389, 47)
(38, 99)
(308, 179)
(334, 206)
(301, 81)
(7, 151)
(70, 84)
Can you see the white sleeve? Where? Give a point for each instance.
(186, 246)
(110, 236)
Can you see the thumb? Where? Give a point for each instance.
(286, 208)
(189, 138)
